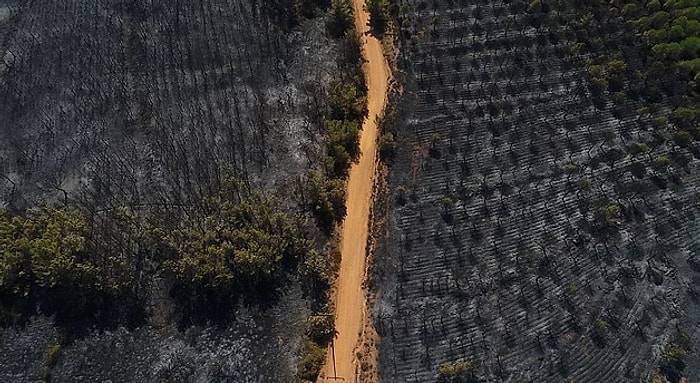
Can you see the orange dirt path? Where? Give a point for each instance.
(350, 299)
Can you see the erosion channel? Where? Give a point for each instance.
(350, 296)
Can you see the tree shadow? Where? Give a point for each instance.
(75, 313)
(203, 306)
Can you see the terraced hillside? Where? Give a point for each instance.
(538, 232)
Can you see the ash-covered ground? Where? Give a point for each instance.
(526, 237)
(121, 102)
(255, 347)
(150, 105)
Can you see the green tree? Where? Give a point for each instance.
(312, 362)
(639, 148)
(346, 103)
(51, 249)
(327, 200)
(49, 257)
(685, 117)
(378, 15)
(239, 245)
(350, 61)
(340, 19)
(338, 160)
(345, 133)
(535, 6)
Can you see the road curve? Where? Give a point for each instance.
(350, 296)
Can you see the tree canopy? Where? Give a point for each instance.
(50, 248)
(240, 244)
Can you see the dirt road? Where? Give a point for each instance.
(350, 299)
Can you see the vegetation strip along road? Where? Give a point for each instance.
(350, 298)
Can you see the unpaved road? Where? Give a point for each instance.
(350, 298)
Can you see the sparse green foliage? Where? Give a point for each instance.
(660, 163)
(661, 121)
(600, 331)
(598, 85)
(657, 377)
(386, 145)
(673, 357)
(674, 354)
(51, 356)
(571, 168)
(456, 371)
(311, 364)
(619, 98)
(609, 212)
(601, 325)
(447, 204)
(682, 138)
(535, 6)
(639, 147)
(684, 116)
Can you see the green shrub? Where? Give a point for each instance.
(674, 354)
(609, 212)
(386, 145)
(321, 328)
(340, 18)
(51, 356)
(346, 102)
(346, 134)
(660, 163)
(378, 15)
(601, 325)
(312, 363)
(535, 6)
(639, 147)
(454, 371)
(682, 138)
(326, 197)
